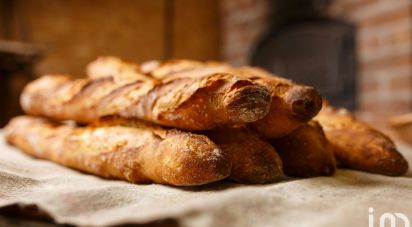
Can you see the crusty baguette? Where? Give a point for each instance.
(254, 160)
(140, 154)
(305, 152)
(358, 146)
(292, 104)
(187, 103)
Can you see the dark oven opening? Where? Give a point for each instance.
(308, 47)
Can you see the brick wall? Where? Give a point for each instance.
(243, 23)
(383, 39)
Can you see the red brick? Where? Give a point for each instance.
(387, 17)
(385, 106)
(369, 105)
(393, 61)
(402, 36)
(356, 5)
(369, 43)
(368, 86)
(396, 106)
(401, 82)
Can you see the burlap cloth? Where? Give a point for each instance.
(75, 198)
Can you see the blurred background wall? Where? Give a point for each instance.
(383, 44)
(384, 40)
(74, 32)
(357, 52)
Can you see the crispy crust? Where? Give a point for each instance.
(292, 104)
(305, 152)
(187, 103)
(358, 146)
(254, 160)
(140, 154)
(107, 66)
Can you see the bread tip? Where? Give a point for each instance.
(305, 101)
(249, 104)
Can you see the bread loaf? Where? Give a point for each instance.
(140, 154)
(200, 103)
(358, 146)
(305, 152)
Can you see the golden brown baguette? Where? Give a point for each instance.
(254, 160)
(199, 103)
(140, 154)
(292, 104)
(358, 146)
(305, 152)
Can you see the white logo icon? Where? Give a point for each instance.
(390, 218)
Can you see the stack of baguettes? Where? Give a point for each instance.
(184, 122)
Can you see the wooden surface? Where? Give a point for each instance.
(74, 32)
(196, 29)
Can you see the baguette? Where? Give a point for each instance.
(358, 146)
(292, 104)
(253, 159)
(305, 152)
(199, 103)
(139, 154)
